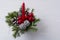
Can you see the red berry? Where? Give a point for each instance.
(31, 19)
(20, 21)
(31, 14)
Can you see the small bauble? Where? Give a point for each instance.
(31, 19)
(22, 26)
(26, 23)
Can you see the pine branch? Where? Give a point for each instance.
(33, 29)
(16, 32)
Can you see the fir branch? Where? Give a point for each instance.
(33, 29)
(36, 20)
(16, 32)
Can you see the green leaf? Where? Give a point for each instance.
(16, 32)
(13, 14)
(33, 29)
(36, 20)
(33, 24)
(7, 16)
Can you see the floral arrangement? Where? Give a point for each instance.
(22, 21)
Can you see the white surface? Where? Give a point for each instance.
(47, 10)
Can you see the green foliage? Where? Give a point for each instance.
(12, 14)
(17, 31)
(10, 23)
(33, 24)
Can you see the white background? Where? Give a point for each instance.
(47, 10)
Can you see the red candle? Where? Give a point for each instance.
(23, 9)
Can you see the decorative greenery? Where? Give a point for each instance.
(15, 28)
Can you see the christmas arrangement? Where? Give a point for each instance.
(22, 21)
